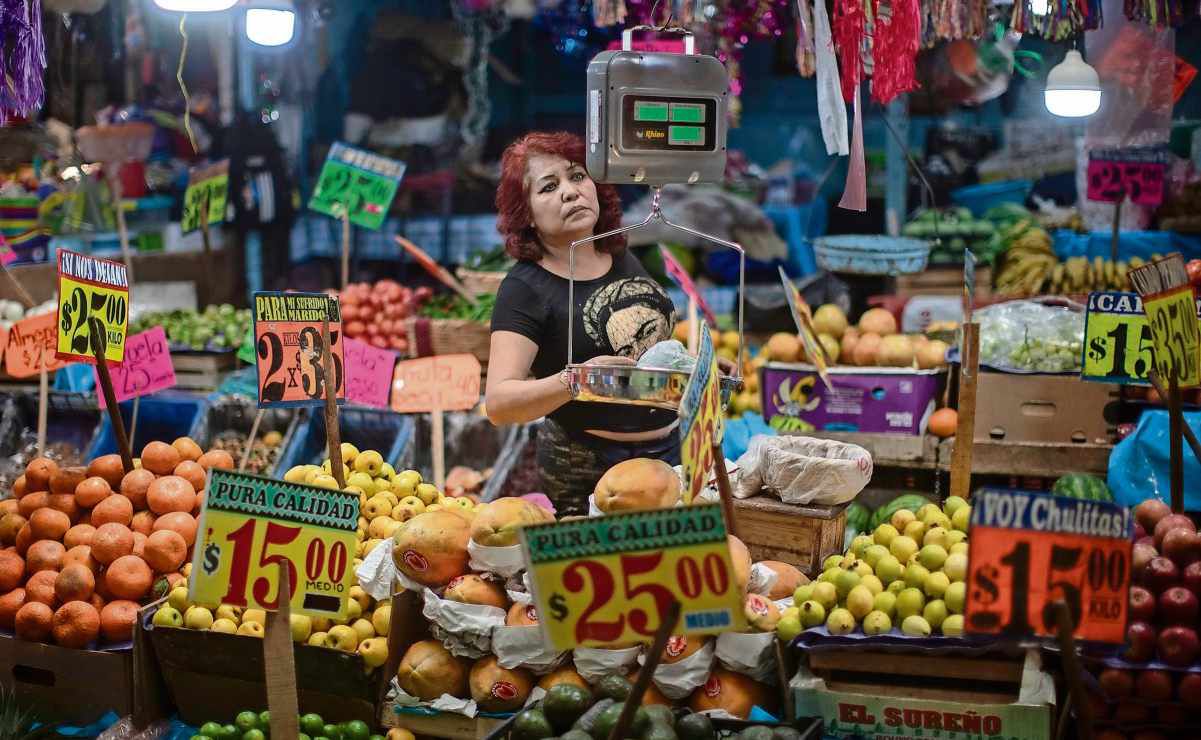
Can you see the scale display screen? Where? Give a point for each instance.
(660, 123)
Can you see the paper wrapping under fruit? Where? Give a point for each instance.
(761, 579)
(803, 470)
(444, 703)
(525, 647)
(596, 663)
(504, 561)
(464, 629)
(378, 576)
(678, 680)
(752, 655)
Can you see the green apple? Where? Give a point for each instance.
(952, 626)
(224, 626)
(349, 453)
(884, 534)
(938, 519)
(886, 602)
(374, 651)
(953, 504)
(916, 575)
(955, 596)
(925, 511)
(232, 613)
(859, 601)
(936, 585)
(915, 530)
(910, 602)
(178, 599)
(317, 639)
(167, 616)
(369, 462)
(198, 618)
(954, 537)
(932, 556)
(962, 519)
(955, 566)
(825, 594)
(903, 547)
(812, 614)
(302, 627)
(877, 623)
(342, 637)
(873, 553)
(364, 481)
(934, 612)
(840, 622)
(251, 629)
(889, 569)
(936, 536)
(915, 626)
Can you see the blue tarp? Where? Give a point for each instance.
(1130, 243)
(1138, 466)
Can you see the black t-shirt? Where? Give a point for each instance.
(623, 313)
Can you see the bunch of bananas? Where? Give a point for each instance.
(1080, 275)
(1028, 261)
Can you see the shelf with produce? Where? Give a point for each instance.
(1031, 459)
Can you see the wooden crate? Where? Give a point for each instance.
(796, 534)
(202, 371)
(944, 281)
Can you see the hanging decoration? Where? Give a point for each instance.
(22, 59)
(948, 20)
(806, 56)
(1064, 19)
(850, 36)
(481, 22)
(1155, 13)
(895, 40)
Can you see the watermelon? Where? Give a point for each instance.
(1082, 486)
(858, 517)
(911, 501)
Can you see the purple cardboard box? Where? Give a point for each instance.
(879, 400)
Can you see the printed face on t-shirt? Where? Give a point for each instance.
(631, 315)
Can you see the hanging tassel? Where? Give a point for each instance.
(894, 49)
(806, 59)
(22, 59)
(854, 195)
(849, 28)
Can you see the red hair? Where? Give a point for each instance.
(513, 219)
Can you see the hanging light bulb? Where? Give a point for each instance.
(1073, 88)
(195, 6)
(271, 22)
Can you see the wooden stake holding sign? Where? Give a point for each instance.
(249, 446)
(965, 432)
(633, 702)
(110, 397)
(1073, 670)
(279, 662)
(333, 433)
(434, 385)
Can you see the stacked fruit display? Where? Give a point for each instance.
(251, 725)
(84, 547)
(264, 453)
(216, 329)
(375, 313)
(908, 572)
(875, 341)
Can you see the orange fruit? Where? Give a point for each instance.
(192, 473)
(76, 624)
(160, 458)
(134, 485)
(165, 551)
(111, 541)
(143, 522)
(116, 620)
(74, 583)
(31, 502)
(108, 467)
(10, 527)
(33, 621)
(12, 570)
(38, 472)
(66, 503)
(80, 534)
(219, 459)
(81, 555)
(44, 555)
(65, 480)
(91, 491)
(97, 601)
(49, 524)
(112, 509)
(20, 487)
(24, 539)
(10, 603)
(180, 522)
(8, 506)
(170, 493)
(139, 545)
(944, 423)
(40, 587)
(129, 577)
(187, 448)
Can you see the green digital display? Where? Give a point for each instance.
(686, 135)
(687, 113)
(650, 111)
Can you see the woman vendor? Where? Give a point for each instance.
(545, 201)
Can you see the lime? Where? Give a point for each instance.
(211, 729)
(333, 732)
(246, 721)
(303, 736)
(376, 737)
(312, 724)
(255, 734)
(230, 732)
(264, 721)
(201, 737)
(355, 729)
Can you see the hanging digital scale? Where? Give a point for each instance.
(656, 118)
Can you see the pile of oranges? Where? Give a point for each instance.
(81, 548)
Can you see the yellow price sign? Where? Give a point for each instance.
(609, 580)
(91, 288)
(1177, 333)
(701, 420)
(249, 525)
(1118, 347)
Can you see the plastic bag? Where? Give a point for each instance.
(668, 355)
(752, 655)
(523, 647)
(1032, 337)
(596, 663)
(464, 629)
(740, 431)
(1139, 464)
(678, 680)
(803, 470)
(503, 561)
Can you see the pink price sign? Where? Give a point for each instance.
(1136, 173)
(368, 374)
(146, 368)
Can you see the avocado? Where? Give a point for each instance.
(575, 735)
(587, 720)
(695, 727)
(659, 731)
(614, 687)
(661, 714)
(531, 725)
(564, 704)
(758, 732)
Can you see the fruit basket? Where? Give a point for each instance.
(871, 254)
(428, 337)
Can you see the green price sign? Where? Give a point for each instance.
(358, 184)
(208, 188)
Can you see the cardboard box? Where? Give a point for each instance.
(979, 701)
(1044, 408)
(63, 684)
(874, 400)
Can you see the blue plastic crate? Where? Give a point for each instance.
(71, 419)
(365, 428)
(163, 416)
(232, 412)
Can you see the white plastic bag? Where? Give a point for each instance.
(525, 647)
(678, 680)
(503, 561)
(444, 703)
(753, 655)
(803, 470)
(596, 663)
(465, 629)
(377, 574)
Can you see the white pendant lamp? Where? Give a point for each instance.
(1073, 88)
(271, 23)
(195, 6)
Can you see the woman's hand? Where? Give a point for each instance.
(610, 360)
(729, 368)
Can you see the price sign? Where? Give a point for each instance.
(1030, 550)
(607, 580)
(250, 524)
(1177, 333)
(677, 273)
(804, 326)
(210, 184)
(30, 347)
(1117, 339)
(89, 288)
(368, 374)
(440, 383)
(146, 368)
(359, 183)
(1137, 173)
(701, 421)
(287, 341)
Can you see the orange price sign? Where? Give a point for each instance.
(440, 383)
(287, 341)
(1030, 550)
(30, 346)
(701, 421)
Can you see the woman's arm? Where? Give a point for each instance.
(510, 397)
